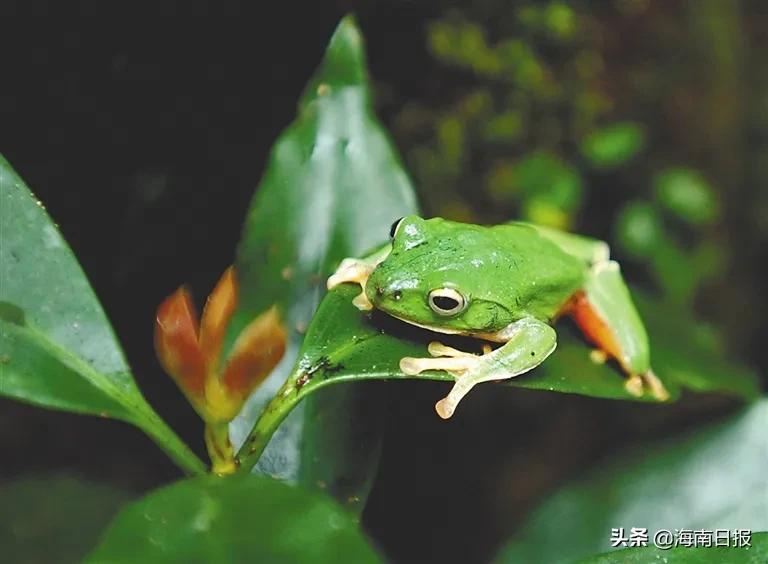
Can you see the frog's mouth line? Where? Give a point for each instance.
(497, 337)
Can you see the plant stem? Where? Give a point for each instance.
(173, 446)
(278, 408)
(220, 449)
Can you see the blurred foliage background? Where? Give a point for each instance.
(642, 122)
(634, 121)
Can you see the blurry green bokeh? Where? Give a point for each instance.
(592, 117)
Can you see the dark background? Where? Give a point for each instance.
(144, 128)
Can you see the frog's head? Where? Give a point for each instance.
(438, 276)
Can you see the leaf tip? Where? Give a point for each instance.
(343, 63)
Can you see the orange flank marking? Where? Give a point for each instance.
(595, 329)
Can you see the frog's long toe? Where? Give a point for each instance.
(436, 348)
(459, 364)
(637, 384)
(455, 366)
(362, 302)
(656, 387)
(445, 408)
(634, 385)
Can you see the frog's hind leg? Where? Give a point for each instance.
(530, 342)
(591, 251)
(605, 313)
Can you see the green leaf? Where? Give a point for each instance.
(757, 553)
(333, 187)
(687, 194)
(57, 348)
(11, 314)
(613, 145)
(54, 515)
(345, 345)
(713, 478)
(683, 354)
(237, 519)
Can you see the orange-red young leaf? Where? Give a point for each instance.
(255, 353)
(216, 315)
(177, 344)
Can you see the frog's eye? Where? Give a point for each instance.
(393, 229)
(446, 301)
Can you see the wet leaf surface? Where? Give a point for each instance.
(711, 478)
(243, 518)
(333, 186)
(57, 348)
(36, 517)
(757, 553)
(344, 344)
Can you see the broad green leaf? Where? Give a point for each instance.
(713, 478)
(57, 515)
(343, 345)
(343, 465)
(756, 553)
(687, 194)
(57, 348)
(613, 145)
(238, 519)
(333, 186)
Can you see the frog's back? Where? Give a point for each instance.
(525, 271)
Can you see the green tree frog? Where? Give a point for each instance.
(502, 284)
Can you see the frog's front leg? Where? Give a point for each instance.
(605, 313)
(530, 342)
(358, 271)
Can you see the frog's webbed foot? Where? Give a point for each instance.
(451, 360)
(637, 384)
(357, 271)
(457, 363)
(530, 343)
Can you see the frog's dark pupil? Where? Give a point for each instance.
(445, 303)
(394, 227)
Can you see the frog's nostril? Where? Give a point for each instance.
(396, 295)
(379, 291)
